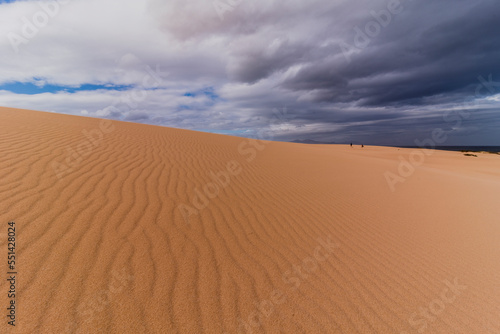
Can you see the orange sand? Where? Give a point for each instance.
(301, 239)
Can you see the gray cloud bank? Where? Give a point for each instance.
(377, 72)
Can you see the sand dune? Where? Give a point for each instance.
(127, 228)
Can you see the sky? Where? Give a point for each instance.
(379, 72)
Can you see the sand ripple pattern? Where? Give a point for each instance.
(105, 248)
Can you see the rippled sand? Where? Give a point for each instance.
(129, 228)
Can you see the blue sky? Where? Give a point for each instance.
(31, 88)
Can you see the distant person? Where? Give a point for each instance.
(362, 145)
(351, 144)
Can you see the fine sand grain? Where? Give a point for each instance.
(135, 236)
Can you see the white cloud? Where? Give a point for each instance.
(264, 54)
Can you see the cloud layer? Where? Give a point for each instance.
(379, 72)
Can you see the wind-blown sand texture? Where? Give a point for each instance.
(106, 248)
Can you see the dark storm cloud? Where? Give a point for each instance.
(410, 130)
(430, 48)
(254, 65)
